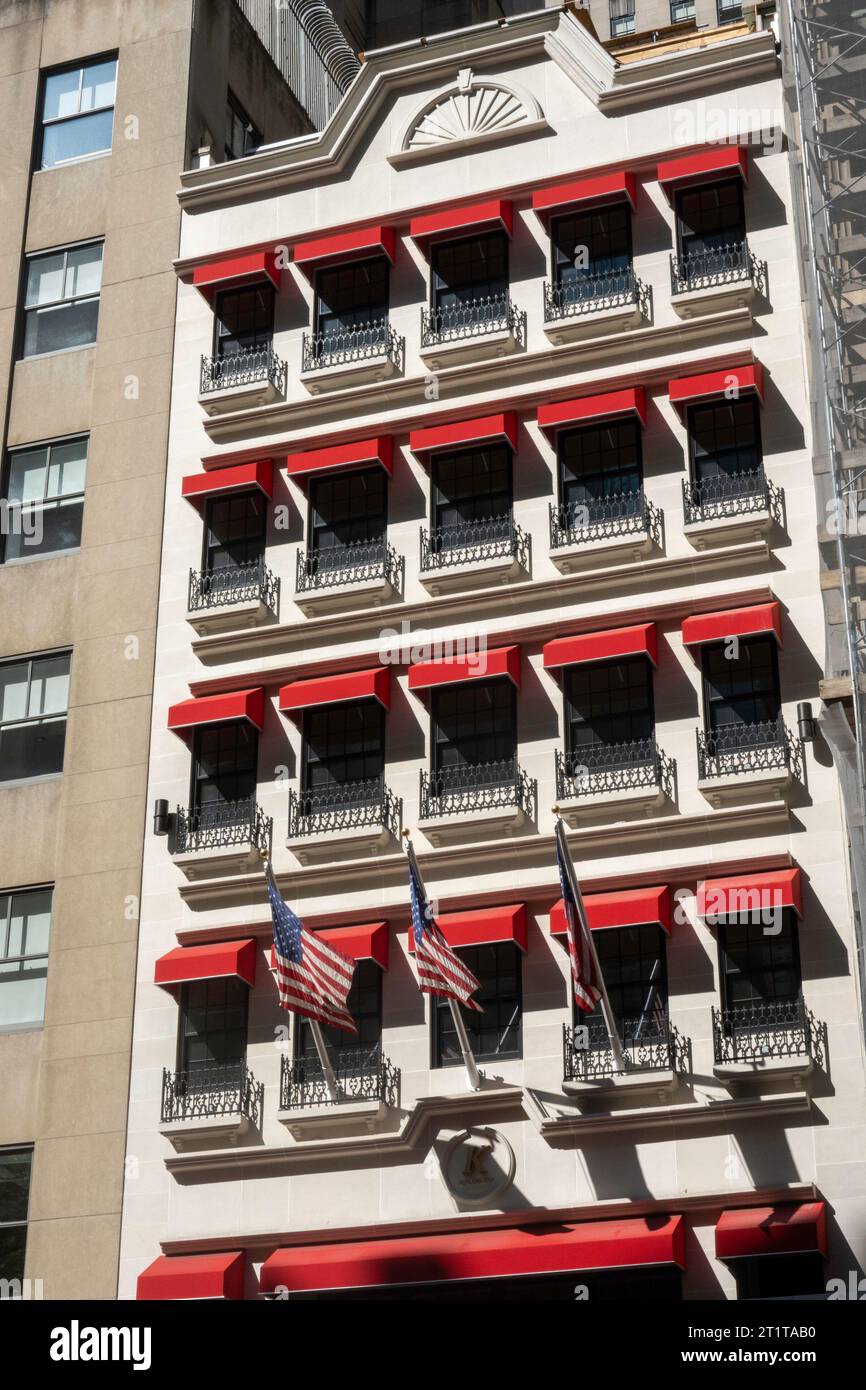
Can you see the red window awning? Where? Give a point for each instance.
(231, 272)
(618, 185)
(755, 621)
(494, 214)
(610, 645)
(730, 384)
(218, 960)
(514, 1251)
(482, 926)
(482, 665)
(792, 1228)
(351, 244)
(627, 907)
(340, 456)
(462, 434)
(715, 162)
(337, 690)
(367, 941)
(750, 895)
(193, 1276)
(259, 473)
(218, 709)
(585, 410)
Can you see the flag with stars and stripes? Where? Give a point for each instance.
(585, 977)
(313, 979)
(440, 970)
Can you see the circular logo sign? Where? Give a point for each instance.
(478, 1165)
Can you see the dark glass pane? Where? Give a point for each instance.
(225, 764)
(60, 326)
(759, 962)
(14, 1184)
(591, 243)
(470, 269)
(236, 529)
(343, 744)
(741, 683)
(710, 217)
(32, 750)
(351, 296)
(497, 1032)
(725, 440)
(598, 463)
(473, 724)
(13, 1245)
(471, 486)
(633, 961)
(609, 702)
(245, 319)
(365, 1006)
(214, 1027)
(47, 529)
(348, 509)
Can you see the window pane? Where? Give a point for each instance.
(76, 139)
(31, 750)
(13, 691)
(14, 1185)
(44, 279)
(61, 94)
(49, 686)
(45, 530)
(30, 919)
(22, 993)
(67, 468)
(27, 475)
(97, 88)
(68, 326)
(84, 270)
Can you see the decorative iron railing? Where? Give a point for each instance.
(351, 806)
(476, 787)
(203, 1093)
(488, 538)
(473, 319)
(361, 1075)
(363, 343)
(588, 294)
(248, 583)
(624, 514)
(731, 494)
(221, 825)
(650, 1043)
(244, 368)
(740, 748)
(600, 768)
(724, 265)
(759, 1031)
(357, 563)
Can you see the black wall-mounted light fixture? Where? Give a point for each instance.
(806, 722)
(163, 820)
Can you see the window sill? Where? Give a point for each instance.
(44, 555)
(715, 299)
(55, 352)
(605, 805)
(340, 844)
(219, 862)
(575, 328)
(32, 781)
(36, 1027)
(77, 159)
(660, 1080)
(767, 1070)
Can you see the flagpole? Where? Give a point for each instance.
(607, 1011)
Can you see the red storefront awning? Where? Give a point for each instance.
(337, 690)
(218, 960)
(259, 473)
(750, 895)
(218, 709)
(729, 384)
(340, 456)
(193, 1276)
(716, 162)
(610, 645)
(244, 268)
(618, 185)
(792, 1228)
(585, 410)
(462, 434)
(367, 941)
(483, 665)
(627, 907)
(482, 926)
(514, 1251)
(494, 214)
(320, 251)
(760, 619)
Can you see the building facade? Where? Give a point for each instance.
(490, 492)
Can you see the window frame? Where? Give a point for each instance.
(197, 806)
(239, 113)
(789, 922)
(570, 720)
(81, 67)
(558, 260)
(473, 687)
(53, 503)
(208, 550)
(758, 444)
(440, 1008)
(30, 658)
(11, 894)
(181, 1054)
(307, 762)
(709, 702)
(263, 339)
(683, 234)
(615, 427)
(5, 1151)
(438, 287)
(33, 256)
(439, 501)
(377, 317)
(327, 479)
(303, 1047)
(579, 1018)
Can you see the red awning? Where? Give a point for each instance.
(730, 384)
(584, 410)
(611, 645)
(616, 186)
(218, 960)
(340, 456)
(627, 907)
(481, 926)
(793, 1228)
(193, 1276)
(716, 162)
(259, 473)
(462, 434)
(734, 622)
(245, 268)
(482, 665)
(310, 255)
(750, 895)
(514, 1251)
(337, 690)
(218, 709)
(368, 941)
(494, 214)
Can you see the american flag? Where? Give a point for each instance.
(312, 979)
(440, 970)
(584, 972)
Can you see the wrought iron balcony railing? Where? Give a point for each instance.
(473, 319)
(729, 495)
(361, 1075)
(350, 806)
(588, 294)
(741, 748)
(650, 1043)
(222, 825)
(724, 265)
(476, 787)
(608, 518)
(245, 368)
(364, 343)
(759, 1031)
(611, 767)
(248, 583)
(358, 563)
(203, 1093)
(489, 538)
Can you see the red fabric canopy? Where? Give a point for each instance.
(493, 214)
(367, 941)
(789, 1229)
(259, 473)
(749, 895)
(243, 268)
(584, 410)
(760, 619)
(627, 907)
(339, 456)
(218, 960)
(728, 384)
(337, 690)
(615, 186)
(343, 246)
(462, 434)
(193, 1276)
(485, 665)
(481, 926)
(218, 709)
(715, 162)
(610, 645)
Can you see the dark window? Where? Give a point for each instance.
(608, 1285)
(61, 299)
(741, 682)
(45, 493)
(599, 463)
(724, 439)
(15, 1167)
(710, 216)
(213, 1029)
(760, 964)
(496, 1033)
(343, 745)
(352, 296)
(244, 320)
(470, 269)
(474, 486)
(224, 765)
(242, 137)
(730, 11)
(589, 244)
(633, 961)
(235, 530)
(608, 702)
(34, 697)
(365, 1006)
(474, 724)
(78, 112)
(779, 1276)
(346, 509)
(25, 926)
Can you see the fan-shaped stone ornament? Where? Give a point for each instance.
(476, 110)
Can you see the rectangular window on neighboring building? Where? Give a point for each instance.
(496, 1033)
(242, 137)
(25, 926)
(78, 112)
(681, 10)
(45, 497)
(61, 299)
(34, 698)
(621, 17)
(15, 1165)
(730, 11)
